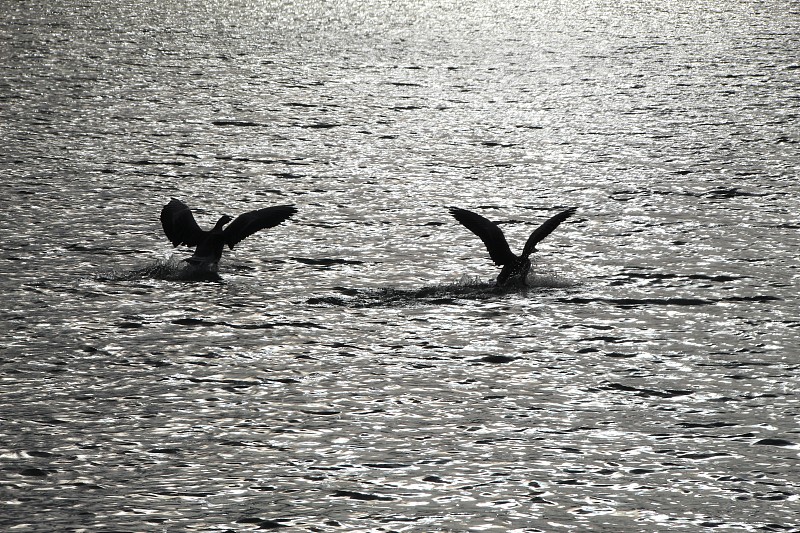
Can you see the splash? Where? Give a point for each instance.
(170, 269)
(466, 288)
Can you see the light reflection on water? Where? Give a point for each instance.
(355, 369)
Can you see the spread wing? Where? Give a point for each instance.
(248, 223)
(545, 229)
(491, 235)
(179, 224)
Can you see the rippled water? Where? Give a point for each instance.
(354, 369)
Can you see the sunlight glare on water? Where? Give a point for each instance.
(355, 368)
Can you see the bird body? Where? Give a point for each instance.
(515, 268)
(180, 228)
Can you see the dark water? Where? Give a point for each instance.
(354, 369)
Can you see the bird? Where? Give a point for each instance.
(180, 227)
(515, 269)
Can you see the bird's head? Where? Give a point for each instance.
(224, 219)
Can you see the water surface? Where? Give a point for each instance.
(354, 369)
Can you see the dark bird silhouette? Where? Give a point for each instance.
(180, 228)
(514, 268)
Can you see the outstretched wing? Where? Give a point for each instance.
(179, 224)
(491, 235)
(248, 223)
(545, 229)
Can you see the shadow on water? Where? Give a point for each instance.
(467, 288)
(166, 270)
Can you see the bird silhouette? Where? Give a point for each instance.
(514, 268)
(180, 227)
